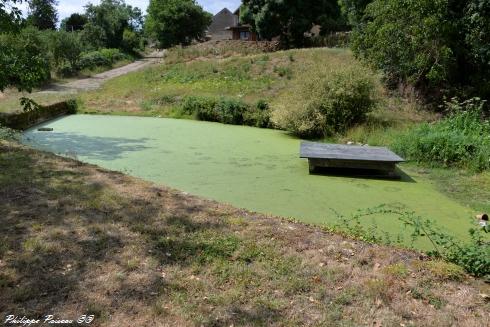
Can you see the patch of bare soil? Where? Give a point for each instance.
(76, 239)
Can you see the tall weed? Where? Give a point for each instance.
(462, 139)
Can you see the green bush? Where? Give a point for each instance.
(202, 107)
(65, 48)
(462, 139)
(93, 59)
(227, 111)
(101, 58)
(258, 115)
(231, 111)
(113, 55)
(328, 103)
(24, 61)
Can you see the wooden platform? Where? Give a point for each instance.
(349, 156)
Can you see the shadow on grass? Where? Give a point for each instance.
(61, 229)
(91, 147)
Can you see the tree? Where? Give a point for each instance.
(65, 48)
(43, 14)
(10, 15)
(22, 61)
(107, 22)
(75, 22)
(290, 19)
(173, 22)
(477, 40)
(354, 10)
(439, 46)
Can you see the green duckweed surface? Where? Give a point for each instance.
(251, 168)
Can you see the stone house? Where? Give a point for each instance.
(226, 26)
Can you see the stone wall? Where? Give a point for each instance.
(27, 119)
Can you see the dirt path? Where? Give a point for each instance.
(96, 81)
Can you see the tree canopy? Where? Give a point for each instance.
(290, 19)
(439, 46)
(43, 14)
(174, 22)
(75, 22)
(10, 15)
(108, 21)
(22, 63)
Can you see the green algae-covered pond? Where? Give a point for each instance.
(250, 168)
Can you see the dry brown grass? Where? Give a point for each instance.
(77, 239)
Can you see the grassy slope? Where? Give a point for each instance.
(75, 238)
(250, 78)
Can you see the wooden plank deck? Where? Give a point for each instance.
(349, 156)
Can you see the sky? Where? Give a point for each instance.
(67, 7)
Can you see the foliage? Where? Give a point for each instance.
(290, 19)
(174, 22)
(8, 133)
(72, 106)
(407, 39)
(29, 105)
(107, 23)
(75, 22)
(476, 23)
(43, 14)
(440, 47)
(473, 255)
(23, 60)
(101, 58)
(353, 10)
(66, 49)
(10, 15)
(131, 40)
(462, 139)
(329, 102)
(227, 111)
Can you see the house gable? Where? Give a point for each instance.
(221, 21)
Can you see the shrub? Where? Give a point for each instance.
(131, 41)
(227, 111)
(202, 107)
(258, 115)
(328, 103)
(24, 62)
(231, 111)
(113, 55)
(462, 139)
(93, 59)
(102, 57)
(66, 49)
